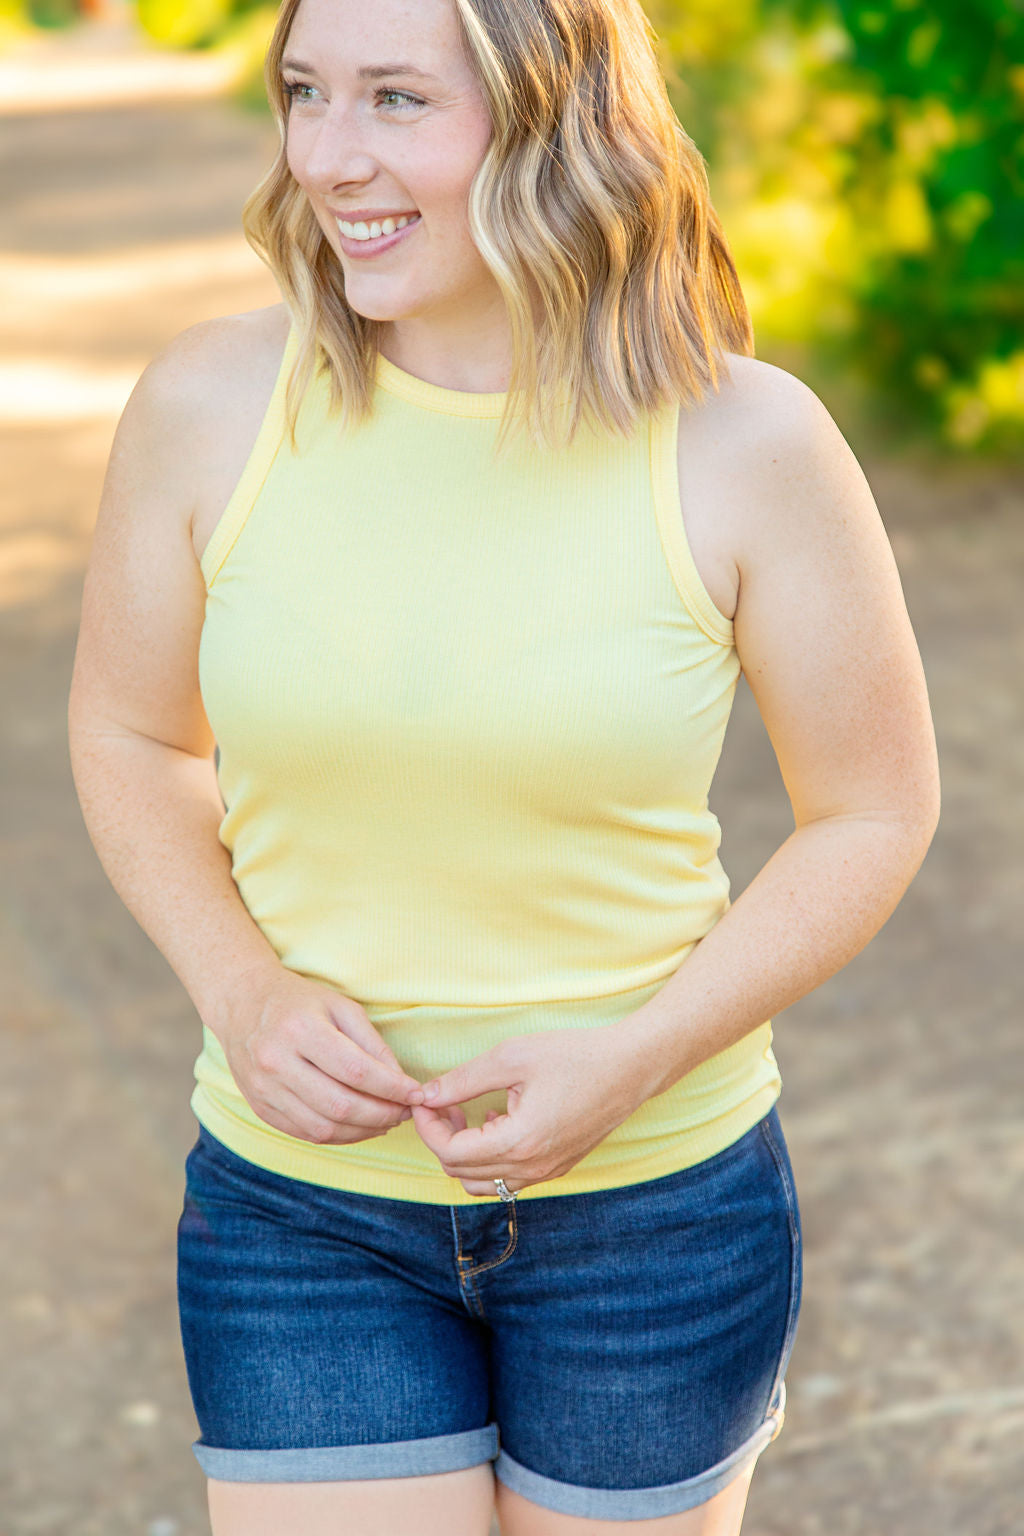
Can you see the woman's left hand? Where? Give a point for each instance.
(566, 1090)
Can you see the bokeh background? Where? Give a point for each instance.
(868, 163)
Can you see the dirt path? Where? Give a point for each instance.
(902, 1099)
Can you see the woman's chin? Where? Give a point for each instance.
(381, 311)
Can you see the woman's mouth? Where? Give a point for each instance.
(374, 239)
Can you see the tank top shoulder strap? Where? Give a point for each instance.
(264, 451)
(664, 439)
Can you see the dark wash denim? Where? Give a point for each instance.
(619, 1354)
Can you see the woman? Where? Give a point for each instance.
(457, 556)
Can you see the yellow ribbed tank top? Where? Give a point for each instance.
(467, 715)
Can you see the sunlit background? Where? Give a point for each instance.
(867, 160)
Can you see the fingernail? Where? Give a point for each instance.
(416, 1095)
(431, 1091)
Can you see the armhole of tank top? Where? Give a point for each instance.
(264, 451)
(664, 440)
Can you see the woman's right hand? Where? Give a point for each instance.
(310, 1062)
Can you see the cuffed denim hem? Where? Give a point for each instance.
(349, 1463)
(640, 1503)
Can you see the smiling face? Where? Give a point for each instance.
(366, 138)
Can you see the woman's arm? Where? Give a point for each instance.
(826, 645)
(142, 757)
(825, 642)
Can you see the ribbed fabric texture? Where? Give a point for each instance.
(468, 712)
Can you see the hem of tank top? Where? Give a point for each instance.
(229, 525)
(664, 463)
(238, 1135)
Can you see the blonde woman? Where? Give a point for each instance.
(456, 555)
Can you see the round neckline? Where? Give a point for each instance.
(434, 397)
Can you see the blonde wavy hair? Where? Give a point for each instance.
(591, 202)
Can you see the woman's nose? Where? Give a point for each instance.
(337, 153)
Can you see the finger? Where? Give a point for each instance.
(290, 1114)
(453, 1115)
(469, 1080)
(342, 1058)
(354, 1022)
(434, 1130)
(340, 1103)
(485, 1188)
(480, 1151)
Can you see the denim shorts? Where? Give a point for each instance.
(618, 1354)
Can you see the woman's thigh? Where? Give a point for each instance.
(722, 1515)
(640, 1337)
(446, 1504)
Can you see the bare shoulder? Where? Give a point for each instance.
(764, 416)
(217, 355)
(757, 458)
(209, 389)
(762, 463)
(213, 368)
(752, 383)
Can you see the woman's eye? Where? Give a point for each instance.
(406, 99)
(395, 100)
(296, 90)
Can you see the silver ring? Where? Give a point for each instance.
(504, 1193)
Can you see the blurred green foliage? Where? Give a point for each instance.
(867, 159)
(52, 13)
(18, 17)
(868, 163)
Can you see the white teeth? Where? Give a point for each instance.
(364, 231)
